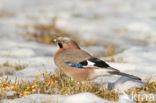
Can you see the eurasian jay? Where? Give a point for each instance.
(79, 64)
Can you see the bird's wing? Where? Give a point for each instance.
(73, 56)
(94, 62)
(81, 59)
(91, 63)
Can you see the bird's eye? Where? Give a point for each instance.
(60, 45)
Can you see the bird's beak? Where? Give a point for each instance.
(55, 39)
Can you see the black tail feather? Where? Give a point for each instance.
(124, 74)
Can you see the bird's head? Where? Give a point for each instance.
(65, 43)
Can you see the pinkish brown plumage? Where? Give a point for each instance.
(79, 64)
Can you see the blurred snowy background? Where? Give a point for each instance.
(127, 27)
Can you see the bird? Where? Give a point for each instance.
(79, 64)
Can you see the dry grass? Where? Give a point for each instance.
(54, 84)
(12, 67)
(15, 66)
(60, 84)
(149, 87)
(111, 51)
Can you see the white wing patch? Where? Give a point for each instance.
(89, 64)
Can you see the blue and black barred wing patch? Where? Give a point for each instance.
(78, 65)
(94, 62)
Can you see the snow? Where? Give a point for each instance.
(17, 52)
(125, 99)
(139, 55)
(77, 98)
(129, 25)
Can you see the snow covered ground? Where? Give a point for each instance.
(129, 25)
